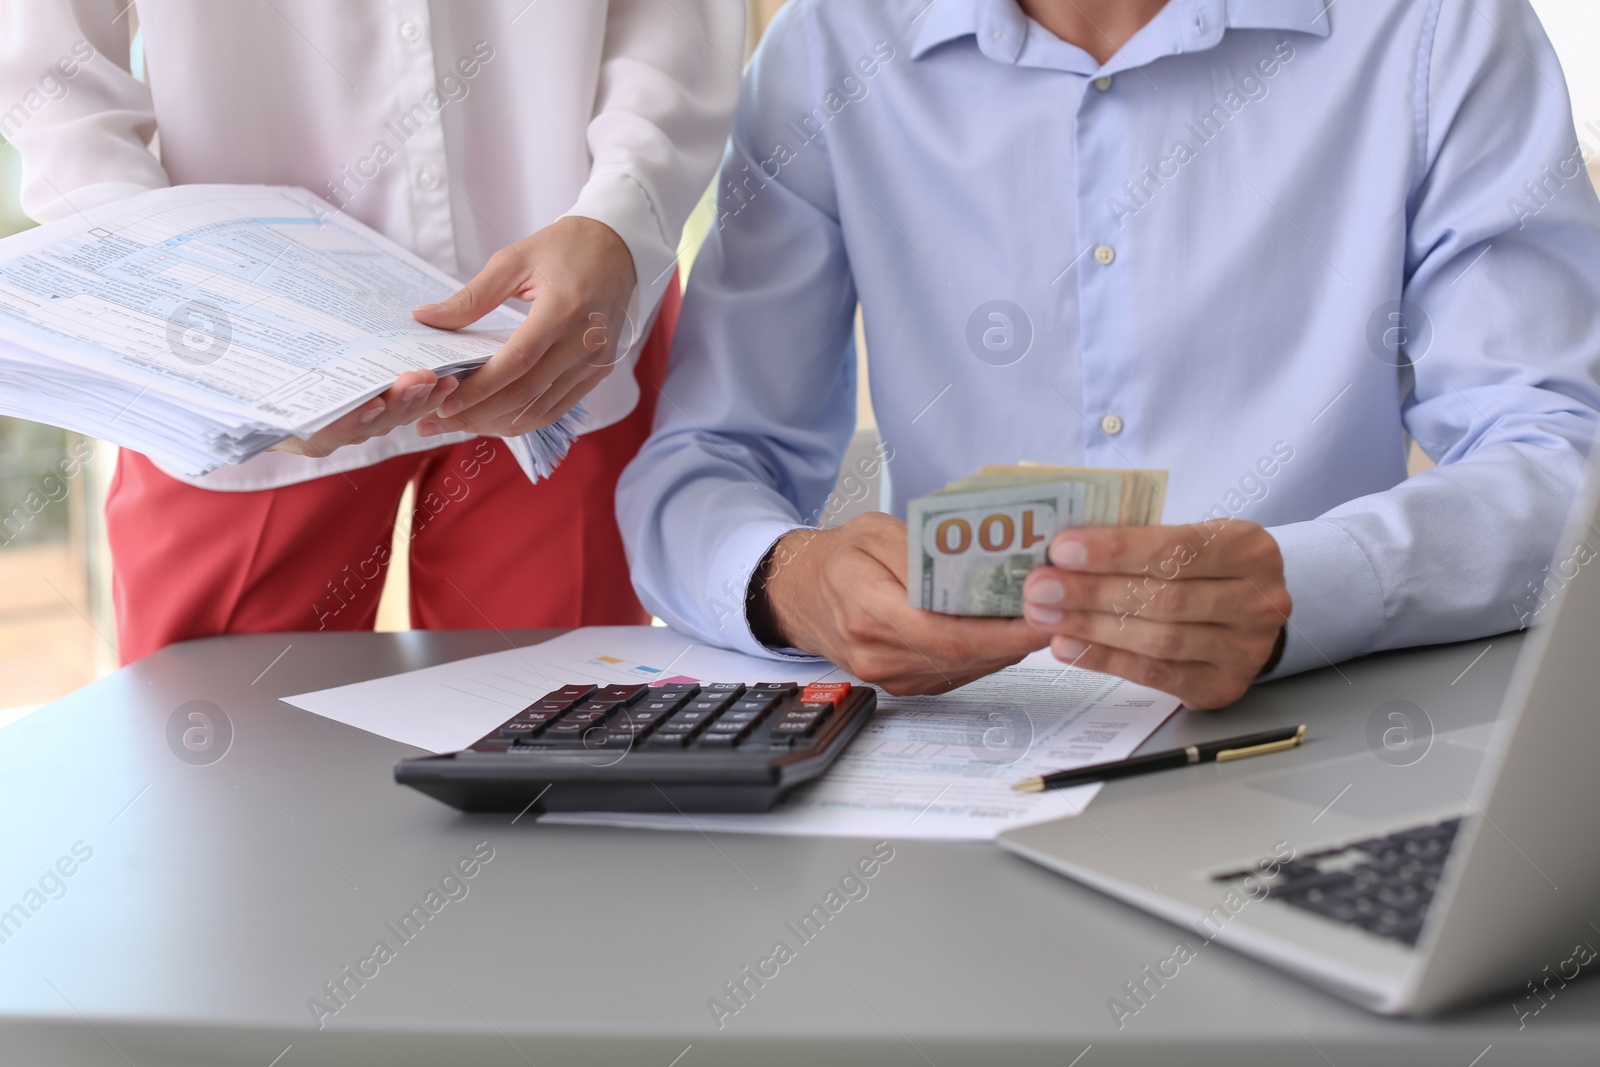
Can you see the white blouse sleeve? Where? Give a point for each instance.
(669, 80)
(80, 120)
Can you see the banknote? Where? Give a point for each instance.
(971, 544)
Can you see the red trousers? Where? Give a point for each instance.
(487, 548)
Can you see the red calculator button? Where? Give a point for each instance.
(826, 693)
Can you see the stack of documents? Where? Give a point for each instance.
(202, 324)
(972, 543)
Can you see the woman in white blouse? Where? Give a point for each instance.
(544, 151)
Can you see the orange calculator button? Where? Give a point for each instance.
(825, 693)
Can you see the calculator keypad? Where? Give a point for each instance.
(767, 716)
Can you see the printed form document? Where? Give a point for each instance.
(202, 324)
(923, 767)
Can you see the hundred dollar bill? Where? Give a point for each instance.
(969, 551)
(971, 544)
(1143, 493)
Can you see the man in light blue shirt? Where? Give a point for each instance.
(1257, 243)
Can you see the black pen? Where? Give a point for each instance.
(1219, 751)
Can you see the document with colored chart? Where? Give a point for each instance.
(924, 767)
(202, 324)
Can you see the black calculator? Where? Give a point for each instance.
(685, 747)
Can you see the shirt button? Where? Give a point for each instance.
(1104, 255)
(428, 178)
(1111, 424)
(410, 31)
(1103, 83)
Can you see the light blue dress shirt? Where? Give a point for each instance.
(1259, 247)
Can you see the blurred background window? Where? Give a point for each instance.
(56, 627)
(54, 590)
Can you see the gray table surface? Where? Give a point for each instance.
(220, 897)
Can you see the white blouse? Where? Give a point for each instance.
(455, 127)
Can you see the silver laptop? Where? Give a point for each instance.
(1473, 872)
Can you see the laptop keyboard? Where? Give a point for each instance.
(1383, 884)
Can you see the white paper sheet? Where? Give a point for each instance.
(448, 707)
(310, 310)
(924, 767)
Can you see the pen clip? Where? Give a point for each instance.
(1261, 750)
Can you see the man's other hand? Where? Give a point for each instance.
(841, 593)
(578, 276)
(1195, 611)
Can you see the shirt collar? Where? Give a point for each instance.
(1001, 28)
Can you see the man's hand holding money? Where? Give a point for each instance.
(922, 607)
(1195, 611)
(841, 593)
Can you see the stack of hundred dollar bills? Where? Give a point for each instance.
(971, 544)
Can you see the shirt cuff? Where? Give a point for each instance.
(1338, 601)
(732, 567)
(617, 199)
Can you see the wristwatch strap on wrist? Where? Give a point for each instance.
(1277, 653)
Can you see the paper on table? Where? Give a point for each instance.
(924, 767)
(448, 707)
(942, 767)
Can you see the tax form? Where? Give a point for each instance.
(203, 323)
(923, 767)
